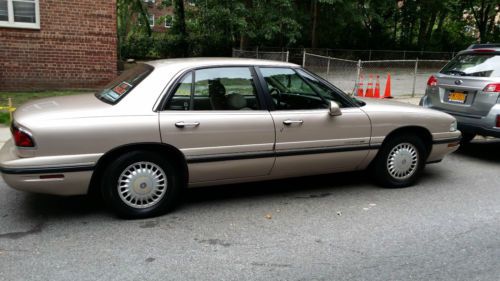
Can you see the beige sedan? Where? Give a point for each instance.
(170, 124)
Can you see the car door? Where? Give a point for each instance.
(308, 139)
(216, 117)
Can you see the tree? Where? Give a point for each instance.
(179, 27)
(129, 13)
(484, 13)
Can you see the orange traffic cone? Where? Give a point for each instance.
(377, 87)
(387, 94)
(360, 86)
(369, 89)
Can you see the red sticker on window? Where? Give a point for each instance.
(122, 88)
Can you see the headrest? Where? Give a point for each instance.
(236, 101)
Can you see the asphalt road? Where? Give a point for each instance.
(335, 227)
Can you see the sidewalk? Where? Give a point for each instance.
(4, 134)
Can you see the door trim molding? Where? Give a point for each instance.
(279, 153)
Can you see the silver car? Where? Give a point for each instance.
(166, 125)
(468, 88)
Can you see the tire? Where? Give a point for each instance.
(411, 161)
(141, 184)
(467, 138)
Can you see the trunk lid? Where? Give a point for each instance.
(66, 107)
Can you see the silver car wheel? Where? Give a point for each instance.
(142, 185)
(402, 162)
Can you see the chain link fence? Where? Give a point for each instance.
(408, 77)
(409, 73)
(265, 55)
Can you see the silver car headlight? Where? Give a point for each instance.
(453, 126)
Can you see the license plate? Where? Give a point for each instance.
(458, 97)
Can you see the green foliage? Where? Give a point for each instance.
(213, 27)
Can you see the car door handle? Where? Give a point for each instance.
(290, 122)
(187, 124)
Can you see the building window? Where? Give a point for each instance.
(20, 13)
(151, 19)
(169, 21)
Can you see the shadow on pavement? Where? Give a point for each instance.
(487, 150)
(315, 186)
(77, 207)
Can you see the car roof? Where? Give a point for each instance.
(186, 63)
(482, 48)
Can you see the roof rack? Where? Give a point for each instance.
(481, 46)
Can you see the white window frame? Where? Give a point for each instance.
(152, 25)
(13, 24)
(171, 22)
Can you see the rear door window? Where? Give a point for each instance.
(476, 65)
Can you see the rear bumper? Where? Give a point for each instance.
(472, 124)
(478, 130)
(56, 176)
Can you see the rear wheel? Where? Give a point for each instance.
(141, 184)
(399, 162)
(467, 138)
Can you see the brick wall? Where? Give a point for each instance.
(76, 47)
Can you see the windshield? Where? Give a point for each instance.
(477, 65)
(123, 84)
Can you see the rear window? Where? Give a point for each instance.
(123, 84)
(478, 65)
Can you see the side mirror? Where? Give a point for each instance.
(335, 109)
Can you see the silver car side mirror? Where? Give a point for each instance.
(335, 109)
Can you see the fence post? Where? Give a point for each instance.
(358, 78)
(404, 55)
(328, 68)
(415, 78)
(10, 109)
(257, 51)
(287, 55)
(304, 58)
(370, 55)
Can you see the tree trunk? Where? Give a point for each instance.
(314, 42)
(430, 28)
(243, 35)
(180, 27)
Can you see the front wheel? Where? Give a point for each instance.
(141, 184)
(399, 162)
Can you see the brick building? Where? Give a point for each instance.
(54, 44)
(160, 15)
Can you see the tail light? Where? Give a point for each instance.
(432, 81)
(498, 121)
(21, 137)
(494, 87)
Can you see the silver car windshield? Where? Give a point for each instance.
(123, 84)
(475, 64)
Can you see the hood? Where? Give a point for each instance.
(65, 107)
(396, 106)
(405, 113)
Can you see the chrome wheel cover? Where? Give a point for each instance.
(142, 185)
(402, 162)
